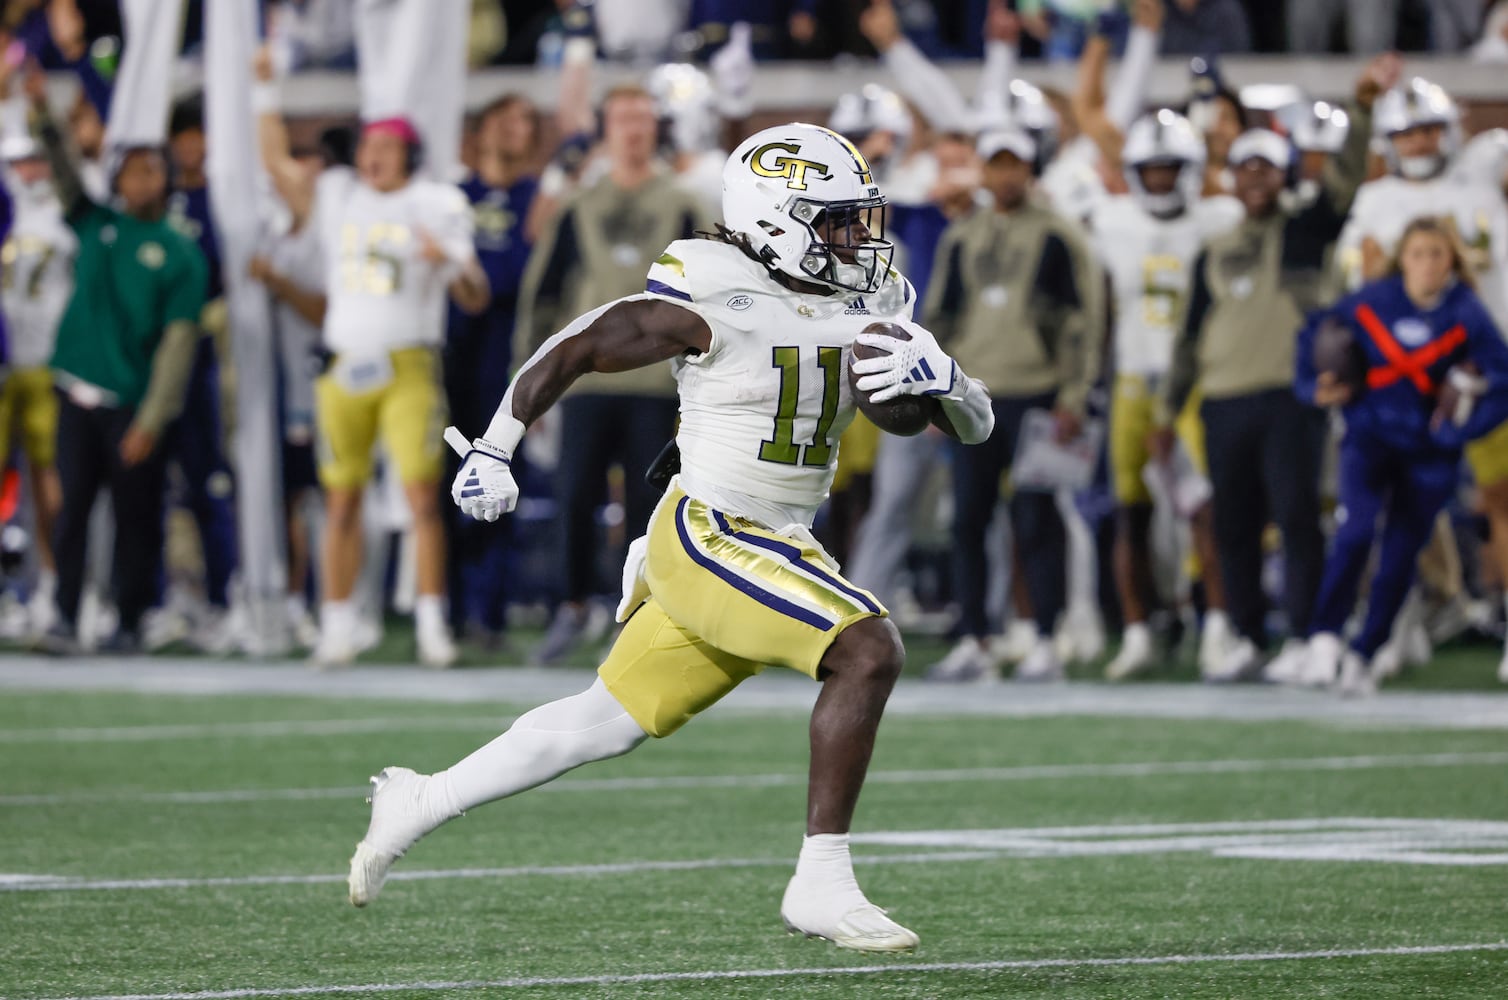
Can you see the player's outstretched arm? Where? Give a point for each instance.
(633, 332)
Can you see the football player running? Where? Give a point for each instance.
(758, 323)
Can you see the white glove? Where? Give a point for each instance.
(484, 488)
(915, 367)
(732, 69)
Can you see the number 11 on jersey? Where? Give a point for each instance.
(781, 446)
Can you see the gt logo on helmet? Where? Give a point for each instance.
(789, 168)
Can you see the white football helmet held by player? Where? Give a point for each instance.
(799, 194)
(687, 107)
(1417, 104)
(1164, 138)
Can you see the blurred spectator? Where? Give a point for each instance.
(639, 31)
(208, 486)
(1205, 27)
(1453, 24)
(479, 347)
(1016, 297)
(292, 271)
(1371, 25)
(1493, 46)
(38, 284)
(124, 353)
(1062, 26)
(396, 247)
(597, 249)
(313, 34)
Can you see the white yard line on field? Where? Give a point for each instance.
(900, 967)
(1024, 772)
(225, 730)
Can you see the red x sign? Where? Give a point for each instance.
(1402, 363)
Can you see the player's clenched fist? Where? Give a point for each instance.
(484, 488)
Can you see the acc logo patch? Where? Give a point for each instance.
(1411, 332)
(740, 302)
(151, 255)
(792, 169)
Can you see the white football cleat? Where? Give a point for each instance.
(1322, 664)
(1135, 653)
(1356, 679)
(1018, 642)
(1503, 668)
(1041, 664)
(437, 650)
(334, 651)
(1288, 666)
(1240, 656)
(1217, 640)
(843, 916)
(968, 661)
(399, 819)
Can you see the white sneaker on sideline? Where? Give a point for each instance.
(1240, 657)
(15, 623)
(399, 819)
(1322, 664)
(1216, 642)
(1135, 653)
(1503, 667)
(1288, 666)
(841, 914)
(334, 650)
(1041, 664)
(969, 660)
(1019, 640)
(1356, 678)
(1081, 636)
(437, 650)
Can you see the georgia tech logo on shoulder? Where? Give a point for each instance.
(791, 169)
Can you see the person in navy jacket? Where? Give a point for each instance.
(1421, 331)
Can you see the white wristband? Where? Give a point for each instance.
(265, 98)
(506, 430)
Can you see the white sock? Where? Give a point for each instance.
(542, 745)
(429, 614)
(47, 583)
(297, 607)
(825, 859)
(1216, 620)
(337, 617)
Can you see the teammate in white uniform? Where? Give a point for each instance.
(1148, 241)
(38, 269)
(395, 247)
(1429, 175)
(758, 324)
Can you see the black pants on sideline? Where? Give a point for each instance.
(1265, 451)
(597, 432)
(1036, 525)
(89, 459)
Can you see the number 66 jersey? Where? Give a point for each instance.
(763, 408)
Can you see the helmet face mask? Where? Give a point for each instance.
(805, 200)
(1165, 139)
(1414, 113)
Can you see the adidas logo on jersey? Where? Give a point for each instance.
(856, 308)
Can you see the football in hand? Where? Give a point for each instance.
(1337, 353)
(905, 416)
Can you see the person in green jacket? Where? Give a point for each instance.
(124, 352)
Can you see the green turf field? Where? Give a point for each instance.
(159, 846)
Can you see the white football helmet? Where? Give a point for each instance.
(1412, 105)
(1320, 128)
(687, 107)
(794, 191)
(1165, 138)
(874, 109)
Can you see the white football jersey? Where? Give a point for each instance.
(762, 410)
(383, 295)
(38, 260)
(1384, 208)
(1151, 264)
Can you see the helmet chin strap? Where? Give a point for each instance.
(1421, 168)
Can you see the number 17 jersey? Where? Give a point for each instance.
(762, 409)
